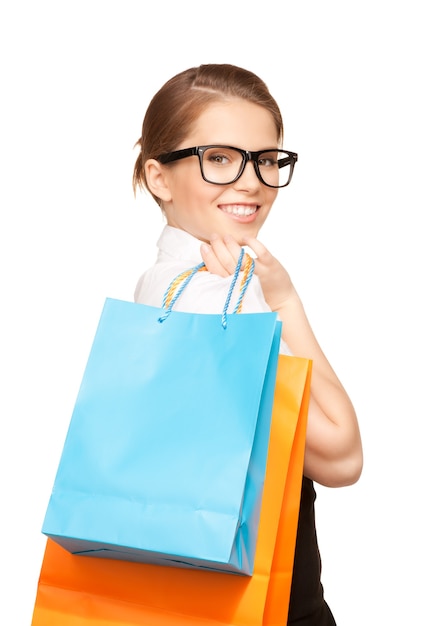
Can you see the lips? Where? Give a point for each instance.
(240, 210)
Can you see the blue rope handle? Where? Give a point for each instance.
(243, 289)
(191, 273)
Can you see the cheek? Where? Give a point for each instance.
(205, 195)
(273, 195)
(269, 197)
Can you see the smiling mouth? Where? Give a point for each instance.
(240, 209)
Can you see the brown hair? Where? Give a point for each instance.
(181, 100)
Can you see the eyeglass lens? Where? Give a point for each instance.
(222, 165)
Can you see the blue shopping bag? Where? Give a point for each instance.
(165, 456)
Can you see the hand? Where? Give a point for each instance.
(221, 256)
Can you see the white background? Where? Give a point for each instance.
(353, 80)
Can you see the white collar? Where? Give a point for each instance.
(175, 243)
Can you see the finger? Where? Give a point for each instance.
(261, 253)
(212, 263)
(227, 252)
(234, 249)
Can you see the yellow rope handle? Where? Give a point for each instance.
(246, 269)
(178, 281)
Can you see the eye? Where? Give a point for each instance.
(268, 159)
(219, 157)
(267, 162)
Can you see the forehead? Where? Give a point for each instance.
(237, 123)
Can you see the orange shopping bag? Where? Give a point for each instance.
(87, 591)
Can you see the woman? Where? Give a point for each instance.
(211, 156)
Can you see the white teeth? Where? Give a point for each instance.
(239, 209)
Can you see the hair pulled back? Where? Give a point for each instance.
(181, 100)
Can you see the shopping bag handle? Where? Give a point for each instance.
(178, 285)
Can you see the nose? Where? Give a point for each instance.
(248, 179)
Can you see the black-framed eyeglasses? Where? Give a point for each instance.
(223, 165)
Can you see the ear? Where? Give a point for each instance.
(157, 180)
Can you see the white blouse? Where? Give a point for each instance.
(206, 293)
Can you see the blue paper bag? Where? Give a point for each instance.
(165, 456)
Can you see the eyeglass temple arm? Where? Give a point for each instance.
(178, 154)
(290, 159)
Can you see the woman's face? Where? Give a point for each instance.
(240, 208)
